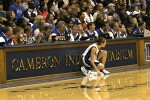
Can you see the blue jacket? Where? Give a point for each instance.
(18, 10)
(7, 41)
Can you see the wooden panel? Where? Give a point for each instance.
(147, 63)
(141, 56)
(2, 67)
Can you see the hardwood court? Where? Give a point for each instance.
(129, 85)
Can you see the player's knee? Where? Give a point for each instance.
(101, 66)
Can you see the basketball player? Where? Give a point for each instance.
(91, 57)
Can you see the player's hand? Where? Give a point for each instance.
(99, 73)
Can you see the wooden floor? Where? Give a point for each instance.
(129, 85)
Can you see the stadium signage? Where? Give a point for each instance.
(22, 64)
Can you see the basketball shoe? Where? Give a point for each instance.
(105, 72)
(84, 71)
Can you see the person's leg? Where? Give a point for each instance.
(86, 67)
(103, 57)
(88, 70)
(100, 66)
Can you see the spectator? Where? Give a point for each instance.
(2, 12)
(60, 29)
(82, 33)
(140, 28)
(10, 15)
(81, 16)
(99, 19)
(43, 9)
(36, 21)
(51, 9)
(88, 14)
(91, 32)
(113, 32)
(40, 22)
(29, 32)
(46, 36)
(7, 35)
(50, 19)
(75, 35)
(104, 28)
(31, 12)
(18, 10)
(24, 4)
(99, 10)
(18, 36)
(122, 31)
(22, 22)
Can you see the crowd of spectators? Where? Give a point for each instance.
(45, 21)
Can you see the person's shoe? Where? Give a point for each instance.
(92, 73)
(84, 71)
(105, 72)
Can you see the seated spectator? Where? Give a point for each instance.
(22, 22)
(7, 35)
(60, 29)
(81, 16)
(129, 29)
(122, 31)
(34, 25)
(38, 26)
(74, 15)
(134, 22)
(2, 12)
(43, 9)
(91, 32)
(29, 32)
(51, 9)
(37, 4)
(10, 15)
(18, 36)
(31, 12)
(113, 32)
(46, 35)
(82, 33)
(10, 23)
(63, 16)
(104, 28)
(100, 9)
(110, 9)
(140, 29)
(24, 4)
(88, 14)
(110, 19)
(75, 35)
(2, 21)
(50, 19)
(18, 10)
(99, 19)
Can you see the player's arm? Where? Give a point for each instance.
(93, 52)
